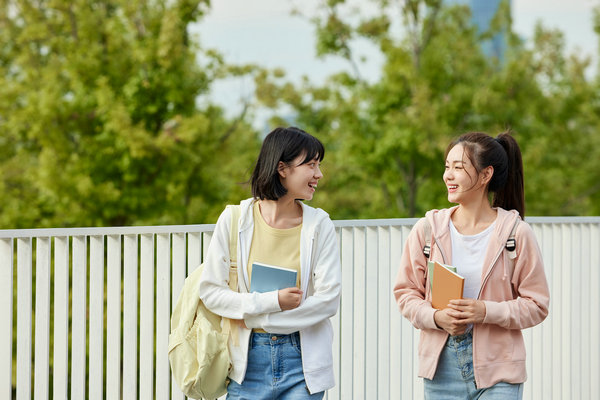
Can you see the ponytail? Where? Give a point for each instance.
(504, 155)
(512, 194)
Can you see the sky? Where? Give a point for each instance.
(265, 32)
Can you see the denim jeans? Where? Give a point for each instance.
(274, 370)
(454, 377)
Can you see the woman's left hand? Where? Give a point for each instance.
(467, 311)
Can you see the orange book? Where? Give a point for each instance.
(446, 286)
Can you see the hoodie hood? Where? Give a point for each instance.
(311, 217)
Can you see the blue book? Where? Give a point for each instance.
(266, 278)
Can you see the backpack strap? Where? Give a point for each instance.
(511, 243)
(233, 272)
(427, 234)
(233, 233)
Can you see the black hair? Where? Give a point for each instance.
(504, 155)
(285, 145)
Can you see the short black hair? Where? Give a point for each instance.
(285, 145)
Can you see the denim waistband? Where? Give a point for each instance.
(268, 339)
(460, 342)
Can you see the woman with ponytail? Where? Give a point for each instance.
(473, 348)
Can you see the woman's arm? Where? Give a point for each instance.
(409, 288)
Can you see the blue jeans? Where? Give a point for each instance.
(454, 378)
(274, 370)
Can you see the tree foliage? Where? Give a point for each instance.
(99, 116)
(105, 119)
(386, 139)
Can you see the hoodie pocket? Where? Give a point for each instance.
(500, 344)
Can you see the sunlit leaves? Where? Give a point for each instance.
(388, 137)
(99, 118)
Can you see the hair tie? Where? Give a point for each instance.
(499, 141)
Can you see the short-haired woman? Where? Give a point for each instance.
(285, 336)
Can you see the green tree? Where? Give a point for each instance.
(100, 118)
(564, 156)
(386, 139)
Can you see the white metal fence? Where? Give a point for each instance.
(93, 308)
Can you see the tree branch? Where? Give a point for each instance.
(235, 123)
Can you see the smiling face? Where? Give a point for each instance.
(301, 180)
(461, 178)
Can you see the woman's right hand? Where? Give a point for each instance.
(448, 323)
(289, 298)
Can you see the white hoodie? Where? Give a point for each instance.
(321, 285)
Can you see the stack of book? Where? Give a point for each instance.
(445, 283)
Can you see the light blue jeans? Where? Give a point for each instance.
(274, 370)
(454, 378)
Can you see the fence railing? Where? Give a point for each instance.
(93, 305)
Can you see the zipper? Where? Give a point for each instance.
(485, 279)
(430, 258)
(310, 262)
(441, 251)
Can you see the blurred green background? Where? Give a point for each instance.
(106, 118)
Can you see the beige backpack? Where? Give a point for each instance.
(198, 350)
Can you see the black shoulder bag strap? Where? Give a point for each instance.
(427, 233)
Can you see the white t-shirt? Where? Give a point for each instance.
(468, 252)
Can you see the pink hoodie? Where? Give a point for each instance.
(514, 299)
